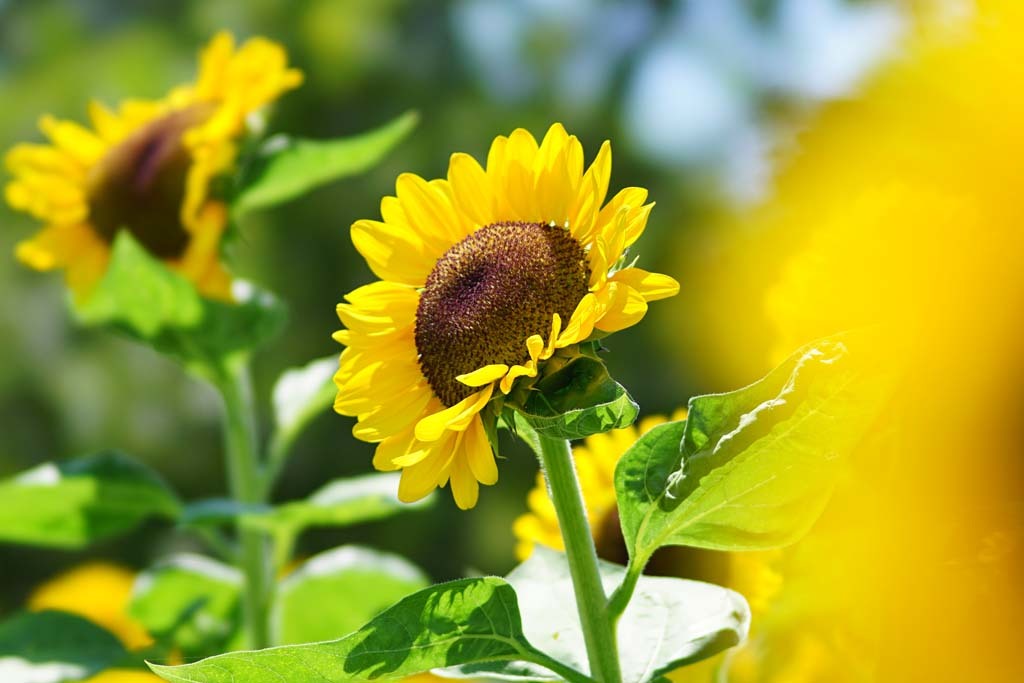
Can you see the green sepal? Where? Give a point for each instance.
(574, 397)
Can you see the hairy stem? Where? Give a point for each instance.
(598, 629)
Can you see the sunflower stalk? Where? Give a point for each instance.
(591, 602)
(245, 480)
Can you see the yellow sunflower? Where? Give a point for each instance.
(484, 275)
(147, 168)
(99, 592)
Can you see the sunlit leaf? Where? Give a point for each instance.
(191, 600)
(753, 468)
(286, 168)
(73, 503)
(334, 593)
(578, 400)
(670, 622)
(52, 647)
(460, 622)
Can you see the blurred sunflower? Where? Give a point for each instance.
(99, 592)
(146, 168)
(484, 276)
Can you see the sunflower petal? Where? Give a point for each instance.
(651, 286)
(455, 418)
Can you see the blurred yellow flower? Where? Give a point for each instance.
(484, 276)
(906, 206)
(147, 168)
(99, 592)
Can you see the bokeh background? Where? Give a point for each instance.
(707, 102)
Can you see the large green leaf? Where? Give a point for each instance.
(577, 400)
(73, 503)
(461, 622)
(286, 168)
(336, 592)
(192, 601)
(52, 647)
(669, 623)
(753, 468)
(143, 298)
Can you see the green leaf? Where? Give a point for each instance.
(140, 293)
(460, 622)
(342, 502)
(669, 623)
(141, 297)
(577, 400)
(73, 503)
(753, 468)
(286, 168)
(334, 593)
(190, 600)
(51, 647)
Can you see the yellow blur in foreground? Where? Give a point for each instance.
(99, 592)
(906, 204)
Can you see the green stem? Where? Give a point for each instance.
(598, 630)
(621, 596)
(246, 487)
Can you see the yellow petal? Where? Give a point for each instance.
(430, 213)
(393, 417)
(393, 252)
(623, 306)
(465, 488)
(77, 141)
(581, 324)
(651, 286)
(484, 375)
(455, 418)
(471, 189)
(391, 448)
(478, 453)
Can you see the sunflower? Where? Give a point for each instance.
(484, 276)
(147, 168)
(99, 592)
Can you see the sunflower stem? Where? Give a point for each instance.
(598, 628)
(246, 487)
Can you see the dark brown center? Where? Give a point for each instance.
(139, 186)
(489, 293)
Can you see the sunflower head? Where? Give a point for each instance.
(146, 168)
(484, 274)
